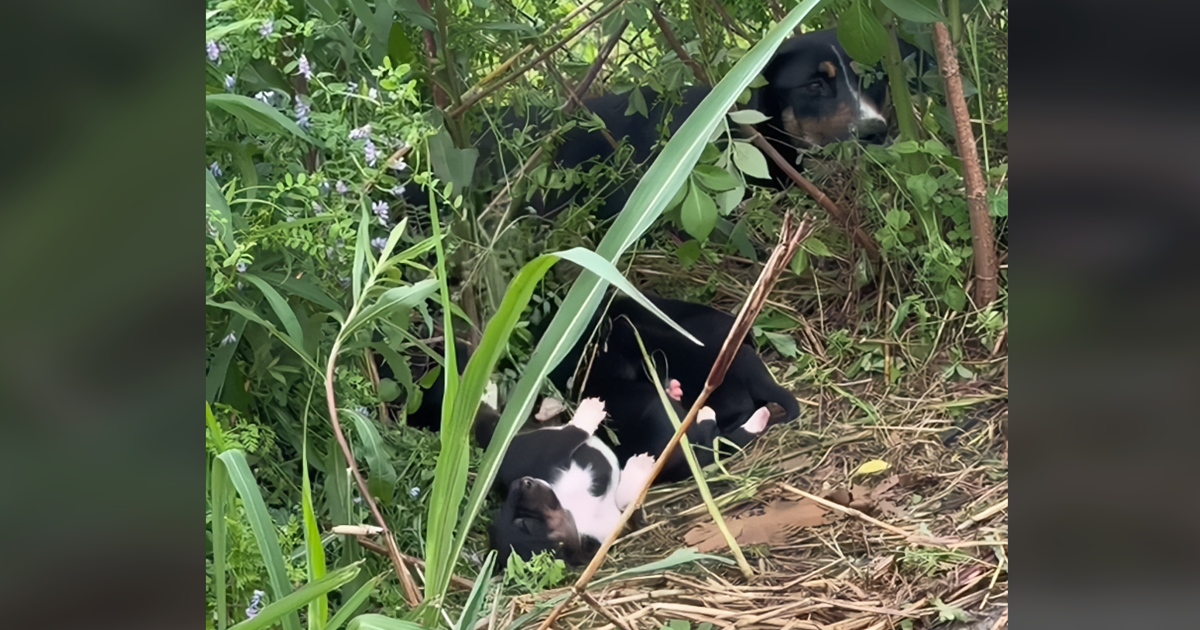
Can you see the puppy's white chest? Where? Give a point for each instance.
(594, 516)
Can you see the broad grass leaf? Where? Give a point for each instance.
(647, 202)
(289, 604)
(750, 160)
(677, 557)
(450, 163)
(412, 11)
(308, 290)
(231, 465)
(258, 116)
(698, 213)
(382, 472)
(399, 48)
(361, 252)
(478, 594)
(390, 300)
(817, 247)
(922, 11)
(785, 344)
(282, 309)
(873, 466)
(799, 261)
(328, 13)
(254, 317)
(216, 33)
(364, 15)
(861, 33)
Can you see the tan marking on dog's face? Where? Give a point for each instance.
(820, 131)
(828, 68)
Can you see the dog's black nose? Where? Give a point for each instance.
(871, 130)
(527, 483)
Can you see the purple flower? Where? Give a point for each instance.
(241, 267)
(215, 168)
(380, 208)
(229, 82)
(399, 164)
(302, 112)
(288, 218)
(252, 609)
(317, 208)
(373, 94)
(303, 68)
(214, 51)
(265, 96)
(369, 153)
(329, 253)
(230, 338)
(398, 190)
(352, 86)
(378, 242)
(267, 28)
(324, 188)
(361, 133)
(341, 187)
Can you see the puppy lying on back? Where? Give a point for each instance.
(565, 490)
(617, 374)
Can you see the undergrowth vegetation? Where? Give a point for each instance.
(323, 116)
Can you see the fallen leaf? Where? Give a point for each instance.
(795, 463)
(840, 496)
(771, 527)
(873, 466)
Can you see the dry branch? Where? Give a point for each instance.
(986, 266)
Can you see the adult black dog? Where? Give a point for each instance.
(566, 490)
(812, 95)
(615, 372)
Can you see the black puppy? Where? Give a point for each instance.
(617, 362)
(813, 96)
(566, 491)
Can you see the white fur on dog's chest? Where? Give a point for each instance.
(594, 516)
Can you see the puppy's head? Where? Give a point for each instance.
(533, 520)
(817, 97)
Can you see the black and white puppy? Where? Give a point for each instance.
(566, 490)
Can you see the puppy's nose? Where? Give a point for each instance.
(526, 482)
(873, 130)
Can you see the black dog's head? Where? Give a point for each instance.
(815, 97)
(531, 521)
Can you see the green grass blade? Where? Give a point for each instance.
(258, 116)
(680, 556)
(233, 464)
(470, 611)
(362, 246)
(282, 309)
(288, 605)
(393, 238)
(352, 604)
(254, 317)
(318, 609)
(308, 290)
(219, 365)
(379, 622)
(390, 300)
(220, 501)
(382, 474)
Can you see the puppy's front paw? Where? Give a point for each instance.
(589, 414)
(639, 466)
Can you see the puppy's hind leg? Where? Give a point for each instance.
(635, 474)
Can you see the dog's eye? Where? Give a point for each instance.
(816, 86)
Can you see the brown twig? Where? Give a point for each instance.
(729, 23)
(603, 610)
(790, 237)
(777, 10)
(986, 267)
(440, 98)
(476, 93)
(460, 582)
(411, 594)
(669, 33)
(841, 216)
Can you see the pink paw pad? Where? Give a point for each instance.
(675, 389)
(589, 414)
(758, 422)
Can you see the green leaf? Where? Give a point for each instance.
(364, 15)
(716, 179)
(216, 33)
(452, 164)
(861, 33)
(305, 289)
(906, 146)
(955, 298)
(478, 594)
(799, 261)
(219, 366)
(997, 203)
(922, 11)
(785, 344)
(214, 200)
(750, 160)
(417, 16)
(817, 247)
(677, 557)
(728, 200)
(282, 309)
(654, 190)
(399, 48)
(362, 247)
(748, 117)
(372, 449)
(698, 212)
(258, 116)
(288, 605)
(688, 253)
(254, 317)
(328, 13)
(380, 622)
(352, 604)
(389, 301)
(922, 187)
(231, 466)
